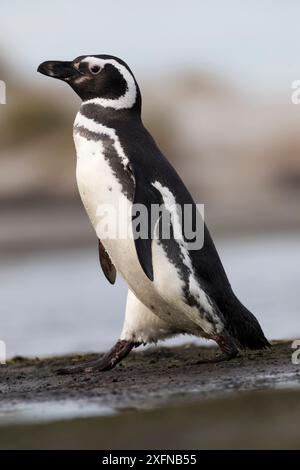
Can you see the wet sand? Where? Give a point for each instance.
(148, 377)
(159, 398)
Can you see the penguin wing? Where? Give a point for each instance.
(106, 264)
(149, 166)
(145, 195)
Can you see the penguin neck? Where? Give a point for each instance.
(109, 116)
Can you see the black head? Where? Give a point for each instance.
(102, 79)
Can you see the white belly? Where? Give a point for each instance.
(108, 207)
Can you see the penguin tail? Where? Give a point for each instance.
(244, 327)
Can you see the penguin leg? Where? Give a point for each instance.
(107, 362)
(228, 347)
(141, 326)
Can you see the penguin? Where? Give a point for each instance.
(174, 288)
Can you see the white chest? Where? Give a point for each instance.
(97, 184)
(109, 210)
(107, 206)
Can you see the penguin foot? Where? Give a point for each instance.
(107, 362)
(227, 345)
(228, 348)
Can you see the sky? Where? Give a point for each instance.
(254, 43)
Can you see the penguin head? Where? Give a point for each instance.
(101, 79)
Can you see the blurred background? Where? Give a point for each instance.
(216, 82)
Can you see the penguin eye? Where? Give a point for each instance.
(95, 69)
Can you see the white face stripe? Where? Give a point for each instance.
(125, 101)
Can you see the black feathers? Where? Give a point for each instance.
(145, 196)
(244, 327)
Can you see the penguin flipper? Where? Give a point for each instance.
(145, 195)
(106, 264)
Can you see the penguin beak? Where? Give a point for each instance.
(58, 69)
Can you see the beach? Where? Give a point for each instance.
(168, 397)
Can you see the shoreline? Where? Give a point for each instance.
(165, 392)
(149, 378)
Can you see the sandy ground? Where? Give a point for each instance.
(160, 398)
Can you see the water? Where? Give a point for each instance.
(47, 411)
(57, 303)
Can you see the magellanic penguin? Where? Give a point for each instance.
(173, 289)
